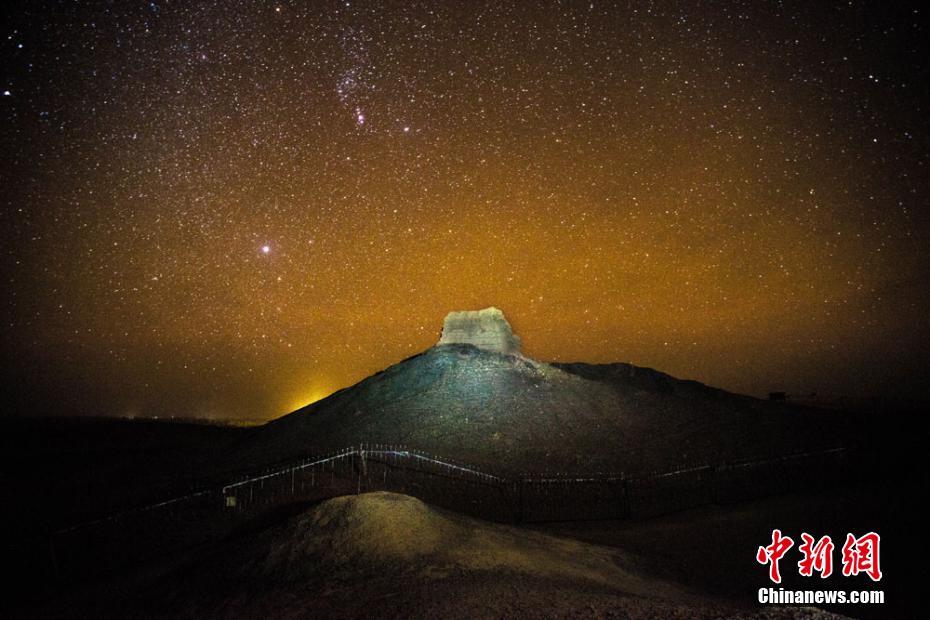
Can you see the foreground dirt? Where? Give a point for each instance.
(391, 556)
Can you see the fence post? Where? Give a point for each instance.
(360, 453)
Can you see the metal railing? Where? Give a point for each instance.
(208, 514)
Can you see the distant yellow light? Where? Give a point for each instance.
(318, 392)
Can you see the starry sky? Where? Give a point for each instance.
(231, 209)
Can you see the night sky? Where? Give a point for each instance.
(229, 209)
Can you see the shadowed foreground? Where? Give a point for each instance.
(394, 556)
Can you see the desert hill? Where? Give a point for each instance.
(485, 403)
(397, 557)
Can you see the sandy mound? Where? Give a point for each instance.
(385, 531)
(392, 556)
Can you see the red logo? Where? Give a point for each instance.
(860, 555)
(773, 553)
(817, 557)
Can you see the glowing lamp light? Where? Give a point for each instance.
(315, 394)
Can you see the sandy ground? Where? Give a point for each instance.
(392, 556)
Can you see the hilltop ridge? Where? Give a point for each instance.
(517, 414)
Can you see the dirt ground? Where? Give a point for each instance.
(337, 559)
(392, 556)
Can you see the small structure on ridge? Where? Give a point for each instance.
(486, 329)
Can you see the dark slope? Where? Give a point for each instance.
(509, 413)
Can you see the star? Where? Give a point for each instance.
(706, 192)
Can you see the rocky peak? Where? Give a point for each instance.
(486, 329)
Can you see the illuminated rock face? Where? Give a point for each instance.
(485, 329)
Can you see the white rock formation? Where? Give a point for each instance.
(485, 329)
